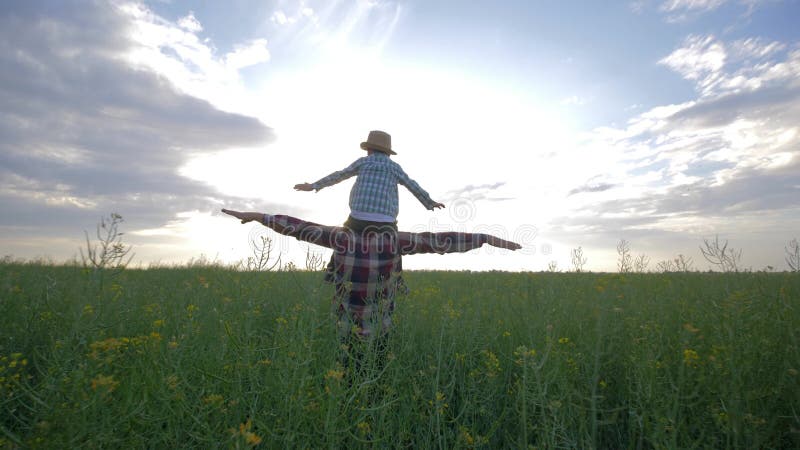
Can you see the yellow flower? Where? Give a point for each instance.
(690, 357)
(107, 382)
(523, 353)
(363, 428)
(466, 437)
(172, 382)
(563, 340)
(334, 374)
(214, 400)
(439, 403)
(250, 438)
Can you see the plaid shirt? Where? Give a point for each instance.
(367, 267)
(375, 190)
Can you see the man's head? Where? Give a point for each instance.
(378, 141)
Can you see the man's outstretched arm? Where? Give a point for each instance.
(291, 226)
(408, 243)
(244, 216)
(449, 242)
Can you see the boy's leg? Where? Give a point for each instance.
(360, 226)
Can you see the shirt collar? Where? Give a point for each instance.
(377, 154)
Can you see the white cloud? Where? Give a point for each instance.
(191, 64)
(302, 12)
(365, 26)
(755, 48)
(678, 11)
(691, 5)
(84, 136)
(732, 154)
(247, 55)
(573, 100)
(719, 68)
(190, 23)
(700, 59)
(279, 17)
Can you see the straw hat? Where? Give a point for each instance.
(380, 141)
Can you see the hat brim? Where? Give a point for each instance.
(380, 148)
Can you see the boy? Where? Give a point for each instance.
(374, 202)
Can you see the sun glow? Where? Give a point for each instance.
(440, 122)
(450, 132)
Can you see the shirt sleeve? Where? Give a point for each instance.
(337, 177)
(441, 243)
(414, 188)
(302, 230)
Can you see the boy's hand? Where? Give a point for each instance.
(303, 187)
(244, 216)
(438, 205)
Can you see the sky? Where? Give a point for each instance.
(560, 125)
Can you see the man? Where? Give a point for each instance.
(366, 266)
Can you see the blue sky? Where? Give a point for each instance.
(558, 124)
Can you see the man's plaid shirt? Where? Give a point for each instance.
(368, 266)
(375, 189)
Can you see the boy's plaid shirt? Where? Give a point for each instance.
(375, 189)
(368, 266)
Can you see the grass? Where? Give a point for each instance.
(207, 357)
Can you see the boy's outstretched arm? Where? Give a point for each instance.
(331, 179)
(417, 190)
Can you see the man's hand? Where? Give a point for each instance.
(244, 216)
(502, 243)
(303, 187)
(438, 205)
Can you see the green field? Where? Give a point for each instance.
(207, 357)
